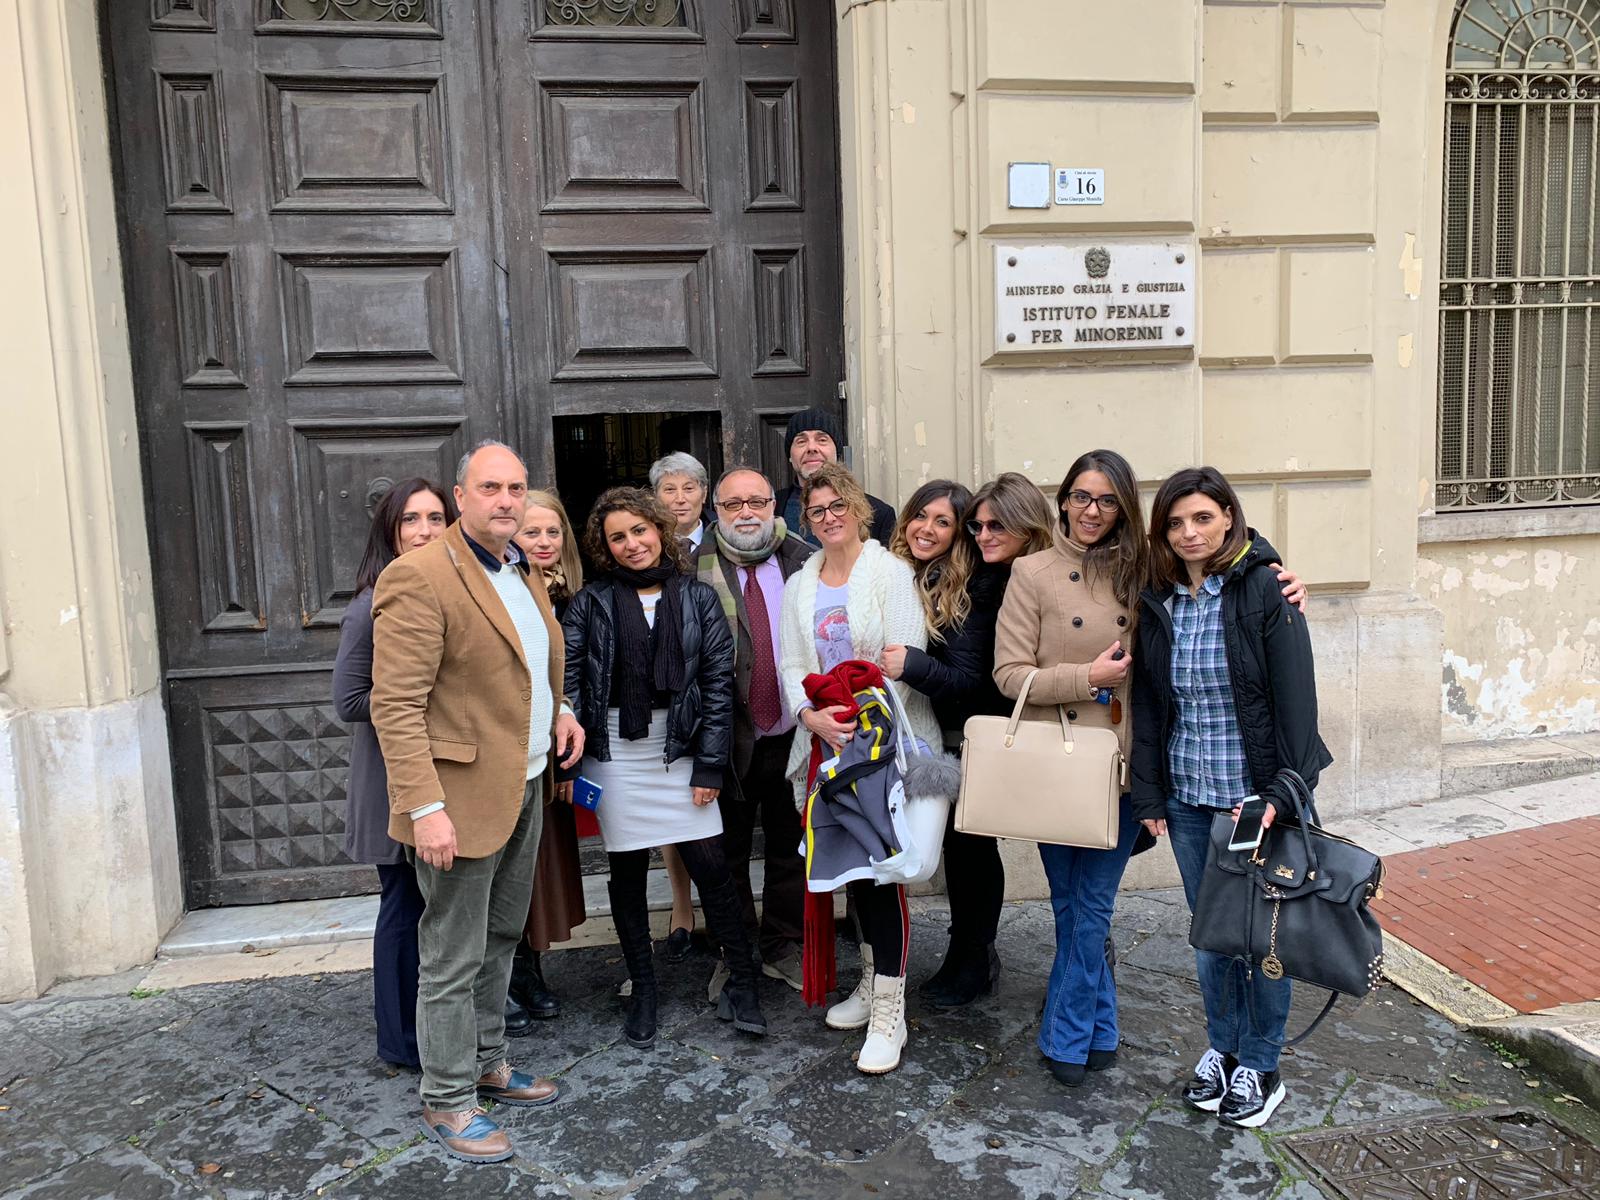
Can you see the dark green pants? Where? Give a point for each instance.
(474, 916)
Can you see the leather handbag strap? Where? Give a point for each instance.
(1327, 1007)
(1305, 814)
(1022, 703)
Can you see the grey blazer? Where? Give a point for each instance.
(366, 811)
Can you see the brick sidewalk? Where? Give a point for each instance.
(1517, 914)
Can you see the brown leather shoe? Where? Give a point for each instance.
(518, 1088)
(470, 1136)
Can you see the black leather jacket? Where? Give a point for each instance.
(699, 718)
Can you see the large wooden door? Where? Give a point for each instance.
(360, 236)
(313, 294)
(672, 182)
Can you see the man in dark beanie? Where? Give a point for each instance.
(813, 437)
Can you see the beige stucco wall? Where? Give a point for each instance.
(88, 852)
(1295, 145)
(1521, 630)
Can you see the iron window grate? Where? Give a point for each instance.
(1519, 330)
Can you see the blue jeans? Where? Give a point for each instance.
(1080, 1008)
(1245, 1017)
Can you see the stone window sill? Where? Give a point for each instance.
(1500, 524)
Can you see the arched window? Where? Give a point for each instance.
(1519, 302)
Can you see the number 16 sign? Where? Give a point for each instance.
(1080, 185)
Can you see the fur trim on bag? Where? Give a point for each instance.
(932, 777)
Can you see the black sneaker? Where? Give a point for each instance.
(1210, 1082)
(1252, 1098)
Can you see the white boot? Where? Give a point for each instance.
(855, 1010)
(886, 1035)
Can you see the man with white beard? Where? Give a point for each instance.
(746, 557)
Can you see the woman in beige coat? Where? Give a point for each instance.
(1069, 614)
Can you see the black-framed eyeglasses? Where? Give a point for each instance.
(976, 527)
(1078, 499)
(817, 511)
(758, 504)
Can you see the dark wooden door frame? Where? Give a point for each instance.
(269, 418)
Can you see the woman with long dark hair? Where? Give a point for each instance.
(1226, 696)
(1067, 616)
(546, 537)
(650, 676)
(410, 515)
(961, 548)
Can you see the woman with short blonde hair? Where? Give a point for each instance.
(846, 490)
(847, 604)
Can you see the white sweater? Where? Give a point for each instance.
(525, 615)
(884, 610)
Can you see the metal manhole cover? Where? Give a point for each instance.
(1488, 1155)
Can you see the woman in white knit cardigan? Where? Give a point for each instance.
(849, 602)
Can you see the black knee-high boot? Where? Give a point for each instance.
(632, 919)
(740, 1001)
(528, 987)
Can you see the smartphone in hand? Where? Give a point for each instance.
(1247, 829)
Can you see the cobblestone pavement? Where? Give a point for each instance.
(272, 1089)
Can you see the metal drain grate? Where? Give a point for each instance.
(1485, 1156)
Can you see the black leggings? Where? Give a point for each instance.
(884, 923)
(974, 884)
(706, 863)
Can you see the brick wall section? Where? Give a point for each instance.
(1518, 913)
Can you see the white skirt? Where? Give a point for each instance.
(643, 801)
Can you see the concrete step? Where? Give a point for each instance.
(250, 928)
(1469, 768)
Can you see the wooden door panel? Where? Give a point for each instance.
(633, 313)
(311, 278)
(672, 181)
(607, 148)
(341, 471)
(345, 250)
(342, 144)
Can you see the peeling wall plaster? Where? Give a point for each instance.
(1522, 641)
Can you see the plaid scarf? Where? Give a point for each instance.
(710, 571)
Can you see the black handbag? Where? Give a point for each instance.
(1295, 906)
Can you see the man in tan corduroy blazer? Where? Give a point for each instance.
(467, 704)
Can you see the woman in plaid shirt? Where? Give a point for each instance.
(1224, 696)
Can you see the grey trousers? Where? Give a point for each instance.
(474, 917)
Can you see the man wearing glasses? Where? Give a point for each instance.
(746, 557)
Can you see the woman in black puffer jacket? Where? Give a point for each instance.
(1224, 695)
(649, 673)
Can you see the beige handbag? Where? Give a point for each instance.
(1038, 782)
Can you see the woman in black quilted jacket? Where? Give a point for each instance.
(649, 673)
(1224, 695)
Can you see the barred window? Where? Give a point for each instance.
(1519, 334)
